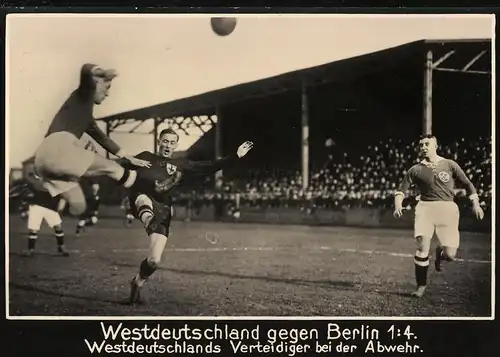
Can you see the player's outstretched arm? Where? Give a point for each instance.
(462, 178)
(209, 167)
(109, 145)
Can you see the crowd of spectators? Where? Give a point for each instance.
(343, 181)
(339, 179)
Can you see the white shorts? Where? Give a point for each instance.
(61, 161)
(441, 217)
(37, 214)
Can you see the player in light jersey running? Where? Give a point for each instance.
(61, 161)
(436, 210)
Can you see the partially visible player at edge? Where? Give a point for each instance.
(42, 207)
(60, 161)
(90, 217)
(129, 213)
(151, 201)
(436, 210)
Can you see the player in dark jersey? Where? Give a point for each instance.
(436, 210)
(129, 213)
(151, 200)
(60, 161)
(90, 189)
(42, 206)
(90, 217)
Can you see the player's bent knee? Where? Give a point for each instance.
(77, 208)
(154, 262)
(143, 200)
(423, 245)
(158, 228)
(450, 253)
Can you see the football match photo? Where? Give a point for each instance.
(254, 166)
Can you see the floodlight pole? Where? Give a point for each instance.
(427, 118)
(305, 136)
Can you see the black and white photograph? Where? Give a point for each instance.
(249, 166)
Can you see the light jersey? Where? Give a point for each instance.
(436, 181)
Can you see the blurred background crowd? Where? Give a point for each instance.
(340, 180)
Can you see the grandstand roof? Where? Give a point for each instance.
(463, 56)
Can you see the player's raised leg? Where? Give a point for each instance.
(61, 160)
(76, 200)
(157, 224)
(65, 173)
(101, 166)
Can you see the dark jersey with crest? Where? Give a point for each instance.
(165, 174)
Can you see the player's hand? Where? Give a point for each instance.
(138, 162)
(398, 212)
(244, 148)
(478, 211)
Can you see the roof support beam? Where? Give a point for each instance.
(461, 71)
(474, 60)
(128, 132)
(442, 59)
(136, 127)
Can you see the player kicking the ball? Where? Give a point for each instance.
(60, 161)
(436, 211)
(151, 201)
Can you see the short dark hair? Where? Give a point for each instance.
(427, 136)
(168, 131)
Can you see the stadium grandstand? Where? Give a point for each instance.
(334, 137)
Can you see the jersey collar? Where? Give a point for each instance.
(430, 164)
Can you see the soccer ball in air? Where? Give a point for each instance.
(223, 26)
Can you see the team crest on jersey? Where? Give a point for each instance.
(444, 176)
(171, 169)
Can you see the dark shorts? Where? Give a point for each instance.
(162, 215)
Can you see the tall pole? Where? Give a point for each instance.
(155, 135)
(218, 139)
(427, 120)
(305, 137)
